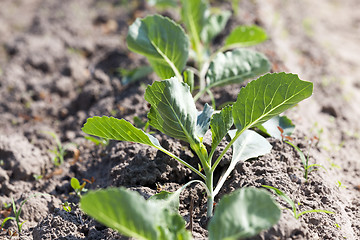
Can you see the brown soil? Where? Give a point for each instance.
(58, 62)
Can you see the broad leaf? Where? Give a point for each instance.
(173, 227)
(244, 36)
(203, 120)
(133, 75)
(162, 41)
(271, 127)
(163, 3)
(220, 125)
(118, 129)
(75, 184)
(170, 200)
(194, 13)
(243, 213)
(173, 110)
(235, 67)
(214, 25)
(165, 199)
(131, 215)
(267, 97)
(249, 145)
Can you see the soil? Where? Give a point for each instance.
(58, 66)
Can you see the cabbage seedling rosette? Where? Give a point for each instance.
(173, 112)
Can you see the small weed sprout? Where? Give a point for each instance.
(308, 168)
(59, 151)
(38, 177)
(66, 206)
(75, 184)
(293, 205)
(141, 124)
(17, 212)
(98, 141)
(339, 184)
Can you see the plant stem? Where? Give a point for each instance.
(212, 99)
(210, 197)
(223, 178)
(306, 168)
(200, 93)
(204, 67)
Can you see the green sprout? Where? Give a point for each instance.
(75, 184)
(308, 168)
(293, 205)
(98, 141)
(17, 212)
(38, 177)
(339, 184)
(59, 151)
(66, 206)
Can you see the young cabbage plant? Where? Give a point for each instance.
(173, 112)
(167, 47)
(239, 215)
(293, 205)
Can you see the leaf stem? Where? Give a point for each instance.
(212, 98)
(203, 70)
(200, 93)
(183, 162)
(197, 46)
(227, 148)
(223, 178)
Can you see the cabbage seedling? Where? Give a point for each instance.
(167, 47)
(173, 112)
(292, 204)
